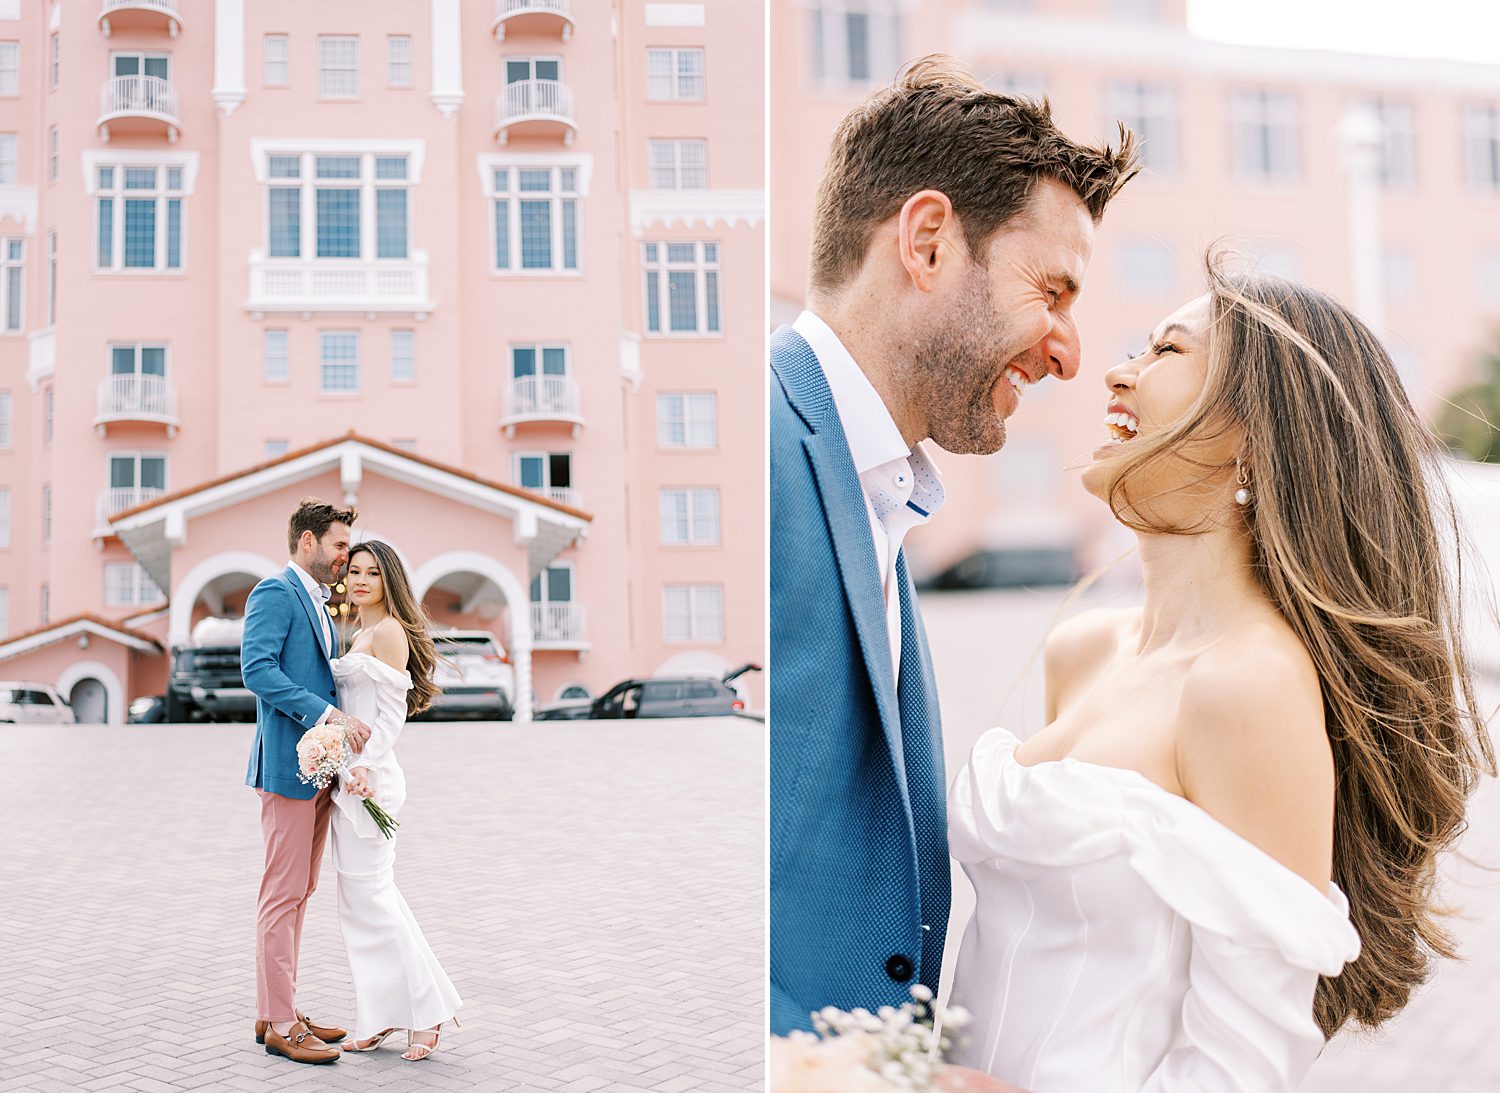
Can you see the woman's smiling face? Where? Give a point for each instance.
(364, 580)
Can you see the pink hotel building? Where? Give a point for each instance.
(490, 270)
(1374, 178)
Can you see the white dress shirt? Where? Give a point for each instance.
(320, 600)
(901, 485)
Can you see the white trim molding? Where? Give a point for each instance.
(263, 148)
(94, 158)
(64, 631)
(20, 204)
(582, 162)
(114, 690)
(689, 208)
(229, 55)
(41, 356)
(674, 15)
(447, 57)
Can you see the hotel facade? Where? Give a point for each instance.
(490, 271)
(1374, 178)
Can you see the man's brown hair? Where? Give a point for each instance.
(317, 516)
(938, 128)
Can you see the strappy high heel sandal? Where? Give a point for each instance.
(425, 1049)
(374, 1041)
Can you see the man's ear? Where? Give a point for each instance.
(926, 237)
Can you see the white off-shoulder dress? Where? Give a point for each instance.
(398, 982)
(1124, 940)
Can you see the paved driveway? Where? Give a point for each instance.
(596, 892)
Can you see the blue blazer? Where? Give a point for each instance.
(859, 865)
(285, 662)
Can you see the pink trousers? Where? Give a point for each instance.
(295, 832)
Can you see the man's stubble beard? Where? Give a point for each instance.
(953, 368)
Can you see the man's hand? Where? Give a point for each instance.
(358, 731)
(960, 1079)
(356, 783)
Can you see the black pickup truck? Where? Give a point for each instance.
(206, 685)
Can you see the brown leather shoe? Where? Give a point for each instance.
(328, 1034)
(301, 1047)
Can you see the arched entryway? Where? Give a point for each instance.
(466, 590)
(215, 587)
(90, 702)
(95, 693)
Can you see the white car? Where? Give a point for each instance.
(23, 703)
(475, 678)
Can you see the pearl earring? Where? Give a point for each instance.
(1241, 495)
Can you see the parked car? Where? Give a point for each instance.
(206, 684)
(660, 696)
(148, 710)
(475, 678)
(23, 703)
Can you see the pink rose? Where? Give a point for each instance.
(836, 1065)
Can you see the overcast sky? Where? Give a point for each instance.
(1463, 30)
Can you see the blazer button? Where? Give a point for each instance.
(899, 968)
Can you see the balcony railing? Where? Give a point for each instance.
(533, 17)
(119, 499)
(558, 624)
(140, 15)
(538, 108)
(133, 100)
(342, 285)
(137, 398)
(542, 398)
(563, 495)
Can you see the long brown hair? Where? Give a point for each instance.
(404, 608)
(1355, 540)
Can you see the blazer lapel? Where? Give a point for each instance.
(848, 518)
(290, 576)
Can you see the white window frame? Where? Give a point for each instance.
(49, 406)
(324, 362)
(546, 460)
(1256, 115)
(4, 611)
(273, 66)
(275, 449)
(504, 194)
(667, 85)
(276, 353)
(403, 368)
(544, 587)
(138, 456)
(829, 40)
(399, 70)
(667, 418)
(697, 628)
(8, 163)
(136, 348)
(162, 192)
(52, 278)
(660, 263)
(367, 183)
(136, 589)
(46, 514)
(142, 55)
(329, 67)
(52, 154)
(12, 272)
(1482, 147)
(1152, 110)
(1396, 163)
(54, 63)
(7, 420)
(10, 69)
(668, 166)
(694, 501)
(4, 517)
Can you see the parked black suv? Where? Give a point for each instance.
(206, 685)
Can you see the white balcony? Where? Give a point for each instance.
(138, 15)
(146, 399)
(347, 286)
(119, 499)
(558, 626)
(535, 108)
(549, 17)
(138, 106)
(542, 399)
(563, 495)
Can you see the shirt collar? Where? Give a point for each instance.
(868, 426)
(319, 592)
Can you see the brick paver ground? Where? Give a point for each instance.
(983, 645)
(596, 892)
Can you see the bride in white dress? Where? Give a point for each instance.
(385, 677)
(1221, 847)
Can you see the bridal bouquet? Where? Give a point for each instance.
(322, 755)
(894, 1050)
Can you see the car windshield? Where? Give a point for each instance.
(462, 647)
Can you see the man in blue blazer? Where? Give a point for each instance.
(288, 643)
(952, 233)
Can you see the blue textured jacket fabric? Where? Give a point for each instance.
(285, 663)
(859, 869)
